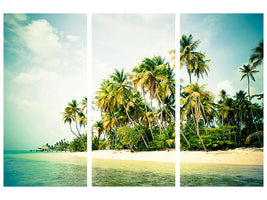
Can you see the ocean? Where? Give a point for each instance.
(25, 168)
(214, 175)
(132, 173)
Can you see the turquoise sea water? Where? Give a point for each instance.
(132, 173)
(25, 168)
(196, 174)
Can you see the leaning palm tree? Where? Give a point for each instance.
(196, 95)
(120, 88)
(257, 57)
(73, 113)
(258, 134)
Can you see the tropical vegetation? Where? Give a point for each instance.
(137, 108)
(232, 121)
(75, 116)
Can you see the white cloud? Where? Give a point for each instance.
(42, 39)
(35, 76)
(14, 19)
(47, 73)
(72, 38)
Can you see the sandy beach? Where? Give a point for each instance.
(156, 156)
(241, 156)
(57, 156)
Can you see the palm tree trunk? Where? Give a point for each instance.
(161, 103)
(241, 123)
(252, 113)
(98, 135)
(73, 131)
(189, 74)
(80, 135)
(148, 117)
(248, 89)
(185, 138)
(200, 137)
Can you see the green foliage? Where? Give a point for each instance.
(103, 144)
(95, 143)
(128, 136)
(214, 138)
(165, 140)
(77, 144)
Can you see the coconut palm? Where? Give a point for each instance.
(257, 57)
(223, 95)
(200, 65)
(73, 113)
(241, 101)
(84, 104)
(196, 94)
(248, 71)
(120, 88)
(188, 55)
(98, 126)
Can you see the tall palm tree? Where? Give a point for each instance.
(257, 57)
(241, 100)
(248, 71)
(188, 55)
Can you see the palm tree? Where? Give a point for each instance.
(248, 72)
(155, 77)
(98, 126)
(241, 100)
(121, 89)
(196, 95)
(74, 114)
(257, 57)
(84, 104)
(200, 66)
(188, 55)
(223, 95)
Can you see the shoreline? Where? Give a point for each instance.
(154, 156)
(239, 156)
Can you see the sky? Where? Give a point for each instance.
(226, 39)
(124, 40)
(44, 69)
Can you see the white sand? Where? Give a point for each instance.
(157, 156)
(249, 156)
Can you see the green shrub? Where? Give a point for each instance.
(128, 136)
